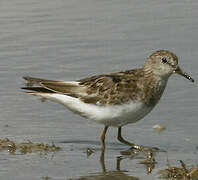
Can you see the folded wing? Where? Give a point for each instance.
(104, 89)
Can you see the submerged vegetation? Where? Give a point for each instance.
(179, 173)
(26, 147)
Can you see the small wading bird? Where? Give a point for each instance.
(114, 99)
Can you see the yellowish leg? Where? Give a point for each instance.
(121, 139)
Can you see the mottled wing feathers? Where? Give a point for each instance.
(114, 88)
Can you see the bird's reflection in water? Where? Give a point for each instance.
(149, 161)
(119, 174)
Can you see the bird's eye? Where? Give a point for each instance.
(164, 60)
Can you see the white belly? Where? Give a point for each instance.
(120, 115)
(109, 115)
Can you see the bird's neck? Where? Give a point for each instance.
(154, 86)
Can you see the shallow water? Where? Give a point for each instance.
(74, 39)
